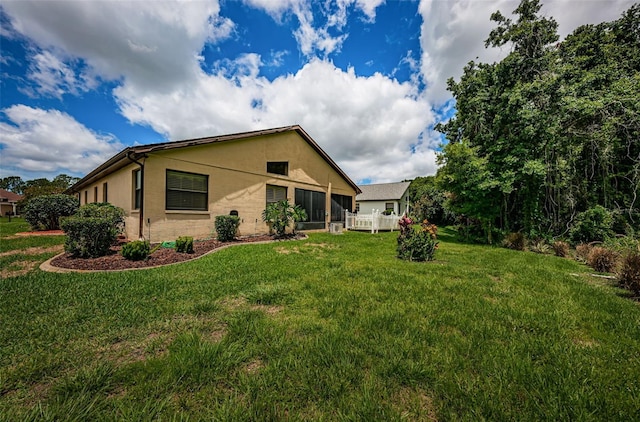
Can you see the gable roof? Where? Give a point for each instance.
(9, 196)
(127, 155)
(383, 191)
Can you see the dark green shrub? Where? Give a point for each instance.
(88, 237)
(629, 274)
(594, 224)
(279, 215)
(416, 244)
(602, 260)
(92, 230)
(136, 250)
(226, 227)
(560, 248)
(515, 241)
(184, 244)
(44, 212)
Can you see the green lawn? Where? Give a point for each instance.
(329, 328)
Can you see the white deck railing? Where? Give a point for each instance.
(371, 222)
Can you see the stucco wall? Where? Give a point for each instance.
(237, 181)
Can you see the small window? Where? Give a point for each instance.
(389, 206)
(86, 197)
(104, 192)
(187, 191)
(95, 194)
(278, 167)
(276, 193)
(357, 206)
(137, 189)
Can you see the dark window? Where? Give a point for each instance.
(86, 197)
(187, 191)
(314, 204)
(95, 194)
(104, 193)
(340, 203)
(276, 193)
(278, 167)
(389, 206)
(137, 189)
(357, 206)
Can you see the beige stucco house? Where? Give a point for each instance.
(178, 188)
(9, 202)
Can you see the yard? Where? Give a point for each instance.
(328, 328)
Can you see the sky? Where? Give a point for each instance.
(366, 79)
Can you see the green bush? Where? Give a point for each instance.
(417, 244)
(184, 244)
(226, 227)
(88, 237)
(594, 224)
(136, 250)
(279, 215)
(44, 212)
(515, 241)
(602, 260)
(92, 230)
(629, 274)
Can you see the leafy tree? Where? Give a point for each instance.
(38, 187)
(552, 129)
(13, 184)
(44, 212)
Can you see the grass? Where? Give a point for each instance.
(330, 328)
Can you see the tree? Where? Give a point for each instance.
(279, 215)
(552, 128)
(13, 184)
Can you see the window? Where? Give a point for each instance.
(137, 189)
(278, 167)
(389, 206)
(104, 192)
(86, 197)
(340, 203)
(357, 206)
(187, 191)
(276, 193)
(314, 204)
(95, 194)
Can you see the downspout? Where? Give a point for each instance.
(141, 213)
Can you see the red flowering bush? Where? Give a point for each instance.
(417, 244)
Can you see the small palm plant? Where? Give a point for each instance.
(279, 215)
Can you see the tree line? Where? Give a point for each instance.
(549, 132)
(37, 187)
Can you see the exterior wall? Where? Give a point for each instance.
(367, 207)
(6, 207)
(237, 181)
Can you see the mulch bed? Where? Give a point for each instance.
(163, 256)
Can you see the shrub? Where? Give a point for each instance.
(515, 241)
(184, 244)
(417, 244)
(279, 215)
(594, 224)
(44, 212)
(582, 252)
(226, 227)
(540, 246)
(560, 248)
(92, 230)
(602, 260)
(629, 274)
(136, 250)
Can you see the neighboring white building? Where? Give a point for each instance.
(383, 197)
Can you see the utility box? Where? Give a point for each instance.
(336, 228)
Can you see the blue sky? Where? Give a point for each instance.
(365, 78)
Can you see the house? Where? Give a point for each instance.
(177, 188)
(390, 197)
(8, 202)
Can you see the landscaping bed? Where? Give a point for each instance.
(162, 256)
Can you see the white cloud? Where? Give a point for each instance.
(370, 125)
(453, 32)
(53, 77)
(154, 44)
(49, 141)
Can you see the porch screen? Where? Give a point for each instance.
(339, 203)
(314, 204)
(187, 191)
